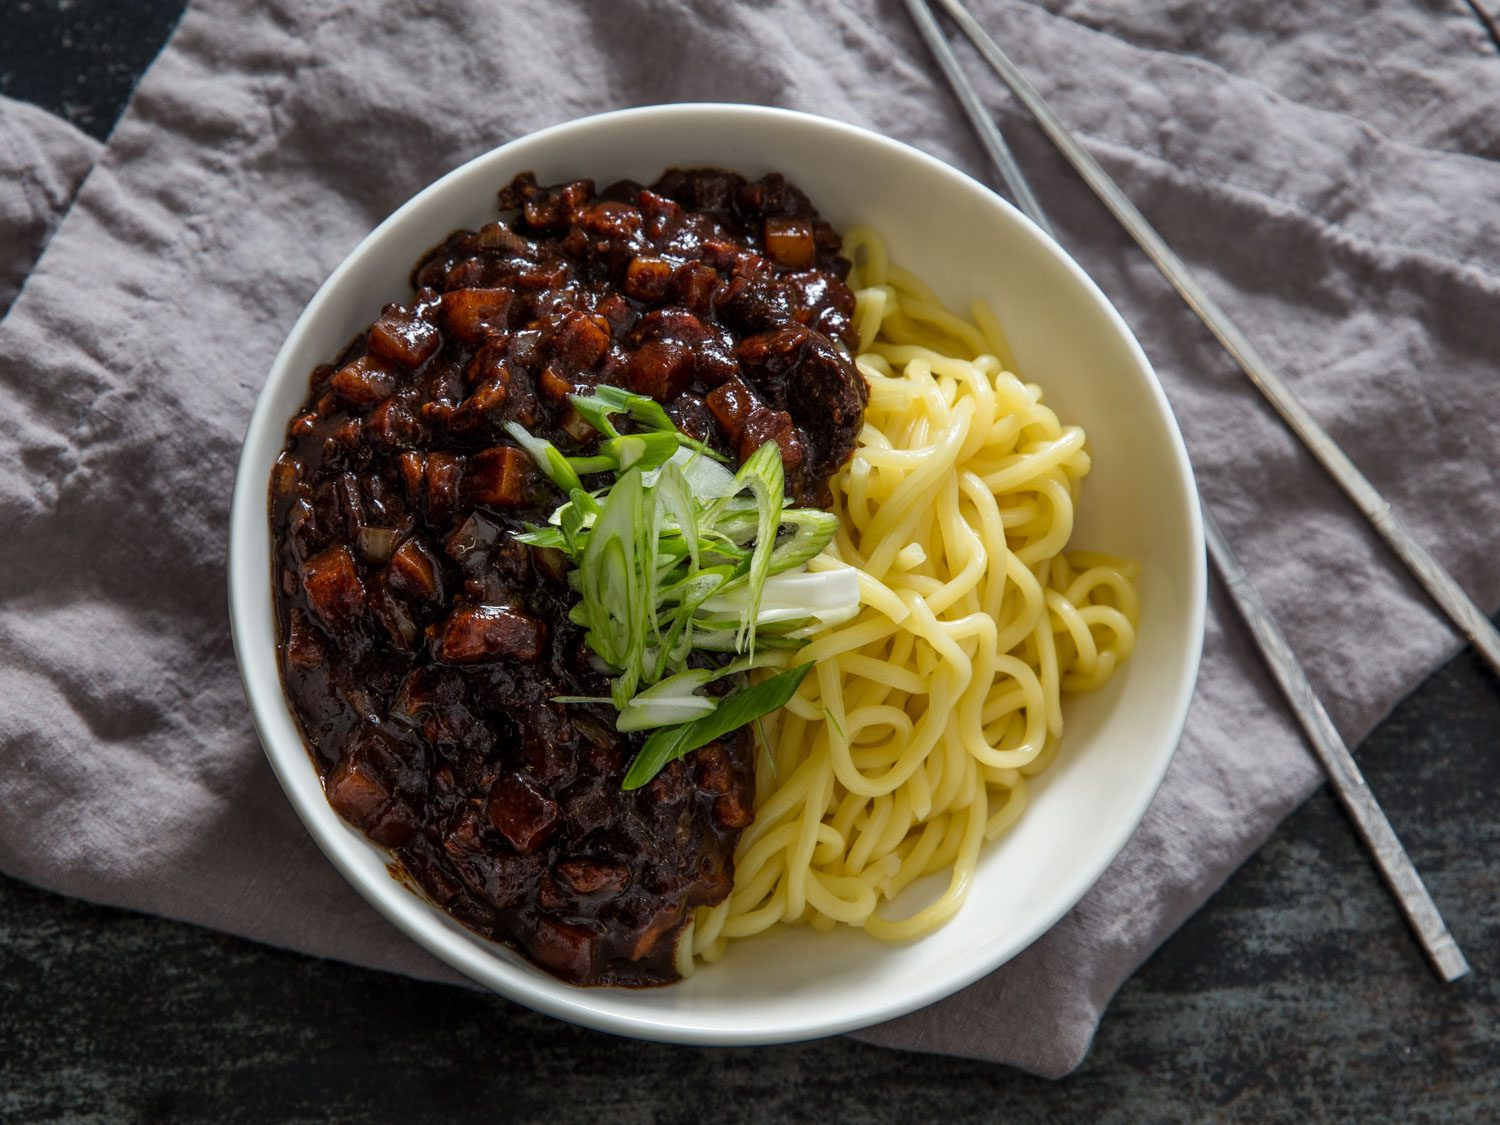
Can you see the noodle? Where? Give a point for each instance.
(912, 742)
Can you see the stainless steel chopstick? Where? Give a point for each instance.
(1364, 810)
(1448, 594)
(1359, 802)
(984, 125)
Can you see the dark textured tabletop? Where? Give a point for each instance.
(1295, 994)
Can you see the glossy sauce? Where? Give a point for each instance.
(421, 646)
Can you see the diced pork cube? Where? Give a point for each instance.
(611, 220)
(363, 382)
(414, 572)
(522, 813)
(490, 397)
(711, 765)
(355, 789)
(588, 877)
(660, 369)
(473, 314)
(765, 424)
(304, 648)
(580, 341)
(444, 474)
(731, 811)
(692, 286)
(362, 790)
(550, 274)
(473, 634)
(392, 425)
(401, 336)
(662, 215)
(573, 196)
(646, 277)
(789, 242)
(567, 948)
(616, 310)
(731, 403)
(500, 477)
(334, 590)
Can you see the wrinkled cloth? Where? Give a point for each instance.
(1332, 179)
(43, 160)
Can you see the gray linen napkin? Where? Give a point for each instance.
(43, 159)
(1333, 180)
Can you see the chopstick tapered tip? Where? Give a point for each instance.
(1449, 961)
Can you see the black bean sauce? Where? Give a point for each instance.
(421, 646)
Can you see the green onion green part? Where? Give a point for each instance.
(675, 555)
(734, 711)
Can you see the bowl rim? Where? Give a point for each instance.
(418, 919)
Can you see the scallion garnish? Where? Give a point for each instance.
(677, 555)
(734, 711)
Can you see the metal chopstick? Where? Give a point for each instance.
(1359, 802)
(984, 125)
(1446, 592)
(1364, 810)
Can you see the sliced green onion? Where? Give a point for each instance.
(545, 537)
(677, 501)
(734, 711)
(792, 601)
(709, 638)
(641, 451)
(595, 409)
(678, 555)
(812, 530)
(547, 456)
(672, 701)
(763, 474)
(708, 478)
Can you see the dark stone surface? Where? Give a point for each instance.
(81, 58)
(1296, 994)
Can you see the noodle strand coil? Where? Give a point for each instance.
(912, 742)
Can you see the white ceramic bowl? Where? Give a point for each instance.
(966, 243)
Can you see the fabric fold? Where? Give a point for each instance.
(43, 160)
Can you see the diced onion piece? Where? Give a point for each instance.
(376, 544)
